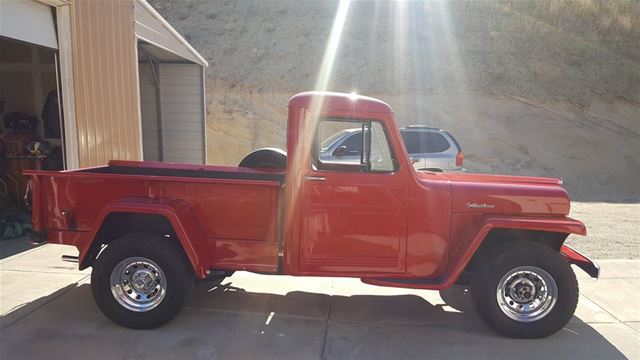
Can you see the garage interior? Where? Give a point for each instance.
(31, 129)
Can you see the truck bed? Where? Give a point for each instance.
(235, 210)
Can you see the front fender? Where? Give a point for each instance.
(574, 257)
(564, 225)
(179, 215)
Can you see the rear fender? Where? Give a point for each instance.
(179, 215)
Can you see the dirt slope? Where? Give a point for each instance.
(549, 88)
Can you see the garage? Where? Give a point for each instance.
(172, 93)
(86, 82)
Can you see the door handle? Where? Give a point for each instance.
(315, 178)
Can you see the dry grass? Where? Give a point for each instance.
(529, 87)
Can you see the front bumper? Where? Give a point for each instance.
(581, 261)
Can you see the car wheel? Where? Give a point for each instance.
(526, 290)
(141, 281)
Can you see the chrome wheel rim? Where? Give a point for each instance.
(138, 284)
(527, 293)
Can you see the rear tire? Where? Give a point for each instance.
(141, 281)
(525, 290)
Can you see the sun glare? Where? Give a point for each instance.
(331, 50)
(329, 57)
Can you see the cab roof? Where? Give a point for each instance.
(340, 101)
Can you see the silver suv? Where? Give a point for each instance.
(429, 148)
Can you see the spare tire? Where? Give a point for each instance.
(266, 158)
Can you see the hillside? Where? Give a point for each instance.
(549, 88)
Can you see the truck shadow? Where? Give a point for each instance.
(224, 321)
(374, 309)
(396, 326)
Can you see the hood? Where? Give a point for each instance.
(514, 195)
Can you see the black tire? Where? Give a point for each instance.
(171, 260)
(269, 158)
(500, 261)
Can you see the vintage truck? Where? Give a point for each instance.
(150, 230)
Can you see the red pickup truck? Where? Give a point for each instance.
(150, 230)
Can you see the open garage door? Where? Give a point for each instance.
(28, 21)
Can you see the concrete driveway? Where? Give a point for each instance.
(48, 312)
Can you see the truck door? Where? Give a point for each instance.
(354, 214)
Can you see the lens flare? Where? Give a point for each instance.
(330, 52)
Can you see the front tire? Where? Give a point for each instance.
(141, 281)
(525, 290)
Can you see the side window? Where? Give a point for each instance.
(436, 143)
(412, 141)
(340, 144)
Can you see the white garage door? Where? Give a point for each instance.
(149, 112)
(174, 130)
(28, 21)
(183, 121)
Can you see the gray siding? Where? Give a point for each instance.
(149, 114)
(182, 107)
(181, 93)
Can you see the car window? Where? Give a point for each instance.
(424, 142)
(354, 144)
(328, 142)
(411, 141)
